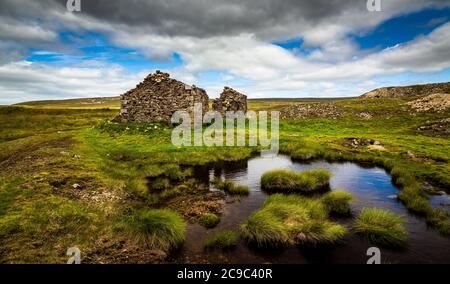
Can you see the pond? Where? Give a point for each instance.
(371, 186)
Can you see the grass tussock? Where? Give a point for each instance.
(338, 202)
(291, 220)
(440, 219)
(231, 187)
(157, 228)
(209, 220)
(381, 227)
(221, 240)
(288, 181)
(416, 200)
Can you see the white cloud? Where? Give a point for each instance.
(236, 44)
(253, 59)
(270, 70)
(20, 31)
(24, 81)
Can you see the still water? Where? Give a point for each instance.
(371, 186)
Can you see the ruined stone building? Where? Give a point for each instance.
(158, 97)
(230, 100)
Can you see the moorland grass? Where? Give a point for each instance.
(209, 220)
(439, 218)
(19, 122)
(159, 184)
(34, 223)
(120, 159)
(412, 196)
(381, 227)
(416, 200)
(231, 187)
(221, 240)
(291, 220)
(157, 228)
(338, 202)
(288, 181)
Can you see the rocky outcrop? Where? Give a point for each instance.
(158, 97)
(436, 128)
(360, 142)
(435, 102)
(307, 110)
(230, 100)
(364, 115)
(415, 90)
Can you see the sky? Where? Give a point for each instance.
(263, 48)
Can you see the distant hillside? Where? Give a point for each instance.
(415, 90)
(105, 102)
(114, 103)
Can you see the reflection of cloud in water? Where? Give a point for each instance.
(258, 166)
(370, 186)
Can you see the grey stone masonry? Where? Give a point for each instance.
(158, 97)
(230, 100)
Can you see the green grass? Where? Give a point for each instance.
(157, 228)
(231, 187)
(223, 239)
(159, 185)
(209, 220)
(286, 220)
(439, 218)
(381, 227)
(89, 103)
(37, 227)
(19, 122)
(338, 202)
(416, 200)
(289, 181)
(39, 143)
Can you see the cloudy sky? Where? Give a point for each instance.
(265, 48)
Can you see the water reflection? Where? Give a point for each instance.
(372, 187)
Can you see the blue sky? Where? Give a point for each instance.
(96, 46)
(403, 28)
(103, 54)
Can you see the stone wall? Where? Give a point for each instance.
(158, 97)
(230, 100)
